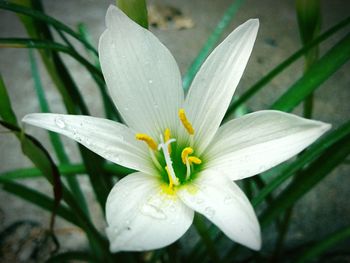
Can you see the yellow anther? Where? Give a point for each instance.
(171, 182)
(185, 153)
(195, 160)
(185, 122)
(167, 138)
(147, 139)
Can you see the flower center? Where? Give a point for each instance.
(175, 162)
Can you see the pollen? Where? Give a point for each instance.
(185, 122)
(194, 159)
(185, 153)
(147, 139)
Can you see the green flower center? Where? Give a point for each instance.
(175, 162)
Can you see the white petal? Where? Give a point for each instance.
(141, 74)
(141, 216)
(259, 141)
(223, 203)
(213, 87)
(112, 140)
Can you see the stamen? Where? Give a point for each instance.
(147, 139)
(171, 183)
(194, 159)
(167, 138)
(170, 169)
(185, 122)
(185, 153)
(154, 159)
(189, 160)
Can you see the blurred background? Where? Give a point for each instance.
(183, 26)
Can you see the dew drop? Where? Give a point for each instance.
(172, 208)
(60, 122)
(156, 106)
(87, 142)
(116, 158)
(210, 212)
(126, 108)
(76, 135)
(150, 81)
(153, 211)
(199, 200)
(228, 200)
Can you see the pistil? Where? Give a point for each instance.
(169, 164)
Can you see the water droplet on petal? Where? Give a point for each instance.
(60, 122)
(228, 200)
(172, 208)
(126, 108)
(76, 135)
(116, 158)
(153, 211)
(150, 81)
(209, 212)
(156, 106)
(199, 200)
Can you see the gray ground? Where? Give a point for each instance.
(321, 211)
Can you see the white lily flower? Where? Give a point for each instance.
(185, 162)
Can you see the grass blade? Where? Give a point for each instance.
(323, 245)
(54, 137)
(282, 66)
(136, 10)
(204, 234)
(40, 16)
(38, 199)
(308, 156)
(315, 76)
(6, 112)
(308, 178)
(65, 170)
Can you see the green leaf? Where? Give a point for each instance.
(204, 234)
(308, 178)
(54, 137)
(110, 109)
(6, 112)
(282, 66)
(38, 199)
(136, 10)
(303, 159)
(324, 245)
(65, 169)
(41, 158)
(30, 14)
(101, 184)
(211, 43)
(315, 76)
(309, 19)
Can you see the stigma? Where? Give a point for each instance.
(186, 156)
